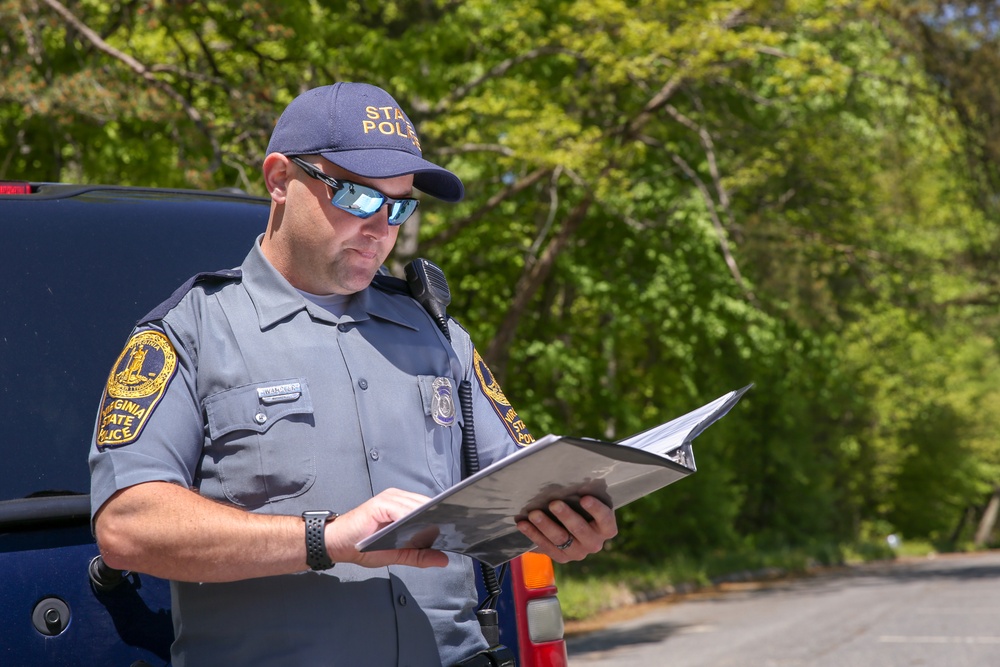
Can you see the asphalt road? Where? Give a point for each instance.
(940, 612)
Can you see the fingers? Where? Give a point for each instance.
(570, 536)
(410, 557)
(392, 504)
(368, 518)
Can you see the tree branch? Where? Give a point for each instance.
(144, 72)
(455, 228)
(531, 281)
(537, 272)
(662, 97)
(497, 71)
(720, 230)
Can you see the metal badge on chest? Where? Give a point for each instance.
(442, 401)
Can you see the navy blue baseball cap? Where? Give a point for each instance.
(360, 128)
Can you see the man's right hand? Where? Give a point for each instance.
(368, 518)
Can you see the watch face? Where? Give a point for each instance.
(318, 514)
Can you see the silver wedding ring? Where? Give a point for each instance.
(566, 544)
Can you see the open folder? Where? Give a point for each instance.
(478, 516)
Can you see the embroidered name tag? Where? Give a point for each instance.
(280, 393)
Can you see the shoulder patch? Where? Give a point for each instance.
(135, 386)
(491, 388)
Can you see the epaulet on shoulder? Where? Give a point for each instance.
(215, 277)
(391, 284)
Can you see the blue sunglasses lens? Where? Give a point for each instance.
(365, 202)
(400, 210)
(362, 201)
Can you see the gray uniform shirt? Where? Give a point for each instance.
(243, 390)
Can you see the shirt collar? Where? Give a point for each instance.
(275, 299)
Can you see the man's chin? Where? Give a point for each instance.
(357, 279)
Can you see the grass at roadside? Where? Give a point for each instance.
(610, 580)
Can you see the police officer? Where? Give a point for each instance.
(265, 419)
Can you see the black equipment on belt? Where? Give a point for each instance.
(497, 656)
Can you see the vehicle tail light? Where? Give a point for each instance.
(15, 188)
(540, 623)
(545, 621)
(537, 571)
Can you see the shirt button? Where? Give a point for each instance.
(402, 600)
(374, 454)
(343, 327)
(363, 383)
(260, 418)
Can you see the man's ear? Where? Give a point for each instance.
(276, 176)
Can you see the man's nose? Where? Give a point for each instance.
(377, 226)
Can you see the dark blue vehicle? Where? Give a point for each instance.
(80, 264)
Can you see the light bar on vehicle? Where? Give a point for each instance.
(15, 188)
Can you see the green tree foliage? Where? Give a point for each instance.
(666, 200)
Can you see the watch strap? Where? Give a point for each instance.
(317, 557)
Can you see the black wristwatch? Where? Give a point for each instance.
(316, 556)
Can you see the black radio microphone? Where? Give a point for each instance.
(429, 287)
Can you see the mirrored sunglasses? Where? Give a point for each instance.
(360, 200)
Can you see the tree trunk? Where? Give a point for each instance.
(989, 519)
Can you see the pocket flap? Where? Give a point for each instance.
(254, 407)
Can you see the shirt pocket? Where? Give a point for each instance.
(262, 441)
(442, 429)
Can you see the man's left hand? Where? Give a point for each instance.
(570, 536)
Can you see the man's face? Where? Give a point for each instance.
(322, 249)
